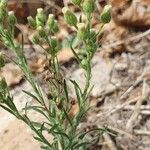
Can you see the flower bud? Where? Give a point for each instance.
(88, 6)
(2, 60)
(11, 18)
(82, 33)
(35, 39)
(52, 24)
(41, 32)
(105, 16)
(50, 21)
(40, 17)
(69, 17)
(31, 22)
(76, 2)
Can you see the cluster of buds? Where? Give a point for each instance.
(41, 21)
(84, 33)
(87, 6)
(44, 27)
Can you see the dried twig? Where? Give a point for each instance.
(142, 132)
(145, 95)
(109, 142)
(142, 107)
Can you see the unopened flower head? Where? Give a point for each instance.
(88, 6)
(105, 16)
(69, 17)
(31, 22)
(50, 20)
(11, 18)
(40, 17)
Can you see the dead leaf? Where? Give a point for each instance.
(134, 13)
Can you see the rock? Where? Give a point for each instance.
(12, 74)
(132, 13)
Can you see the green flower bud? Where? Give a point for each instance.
(88, 6)
(52, 24)
(11, 18)
(82, 32)
(41, 32)
(105, 16)
(50, 21)
(2, 60)
(35, 39)
(40, 17)
(31, 22)
(76, 2)
(69, 17)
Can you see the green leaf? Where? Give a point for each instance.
(31, 95)
(7, 109)
(81, 145)
(38, 139)
(53, 128)
(37, 109)
(46, 148)
(63, 134)
(75, 54)
(66, 91)
(68, 118)
(78, 92)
